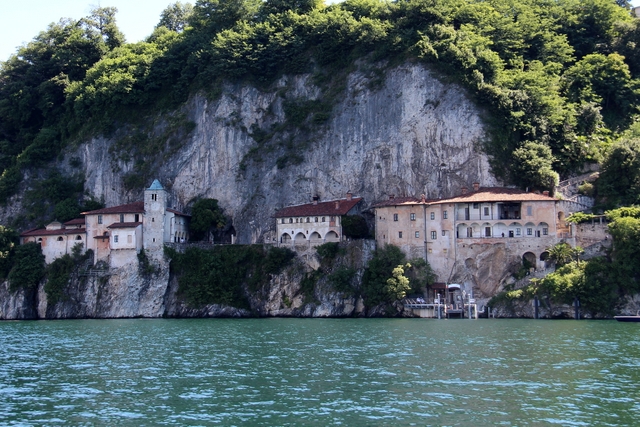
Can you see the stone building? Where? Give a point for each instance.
(314, 223)
(448, 232)
(116, 234)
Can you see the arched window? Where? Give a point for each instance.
(60, 239)
(78, 237)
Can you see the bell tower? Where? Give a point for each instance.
(155, 204)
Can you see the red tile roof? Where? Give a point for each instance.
(76, 221)
(321, 208)
(44, 232)
(400, 201)
(124, 225)
(135, 207)
(484, 194)
(177, 212)
(497, 194)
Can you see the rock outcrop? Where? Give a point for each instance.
(413, 134)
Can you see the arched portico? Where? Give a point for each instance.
(332, 236)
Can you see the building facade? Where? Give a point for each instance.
(116, 234)
(314, 223)
(449, 231)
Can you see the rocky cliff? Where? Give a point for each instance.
(410, 134)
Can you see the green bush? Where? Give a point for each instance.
(218, 275)
(328, 250)
(28, 268)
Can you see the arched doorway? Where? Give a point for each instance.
(332, 236)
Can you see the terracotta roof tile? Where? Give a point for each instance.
(124, 225)
(484, 194)
(321, 208)
(497, 194)
(59, 232)
(76, 221)
(135, 207)
(177, 212)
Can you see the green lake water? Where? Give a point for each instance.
(320, 372)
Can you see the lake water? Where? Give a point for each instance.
(320, 372)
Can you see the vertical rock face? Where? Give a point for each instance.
(409, 136)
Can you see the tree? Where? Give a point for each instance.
(398, 284)
(604, 80)
(8, 241)
(103, 20)
(205, 216)
(28, 268)
(619, 180)
(533, 167)
(176, 16)
(625, 230)
(375, 276)
(563, 253)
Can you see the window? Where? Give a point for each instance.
(529, 231)
(154, 197)
(316, 219)
(529, 210)
(399, 234)
(433, 216)
(545, 231)
(115, 238)
(443, 233)
(412, 217)
(60, 239)
(322, 219)
(308, 219)
(445, 215)
(296, 220)
(486, 211)
(469, 232)
(434, 235)
(476, 206)
(417, 234)
(517, 231)
(153, 220)
(138, 218)
(487, 232)
(395, 217)
(121, 217)
(282, 221)
(99, 219)
(290, 220)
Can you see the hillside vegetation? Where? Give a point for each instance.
(561, 79)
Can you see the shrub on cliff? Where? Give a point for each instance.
(28, 268)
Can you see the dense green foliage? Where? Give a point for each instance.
(206, 215)
(378, 271)
(599, 283)
(355, 226)
(28, 267)
(60, 272)
(560, 78)
(219, 275)
(8, 241)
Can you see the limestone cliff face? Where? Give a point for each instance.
(412, 135)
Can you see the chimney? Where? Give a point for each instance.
(476, 186)
(349, 195)
(545, 193)
(464, 190)
(315, 200)
(337, 204)
(423, 198)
